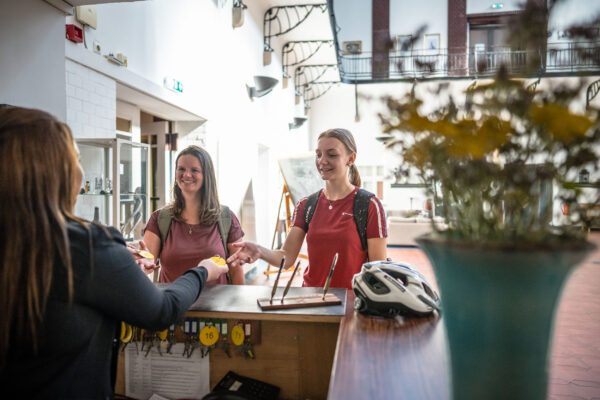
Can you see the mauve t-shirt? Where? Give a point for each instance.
(184, 250)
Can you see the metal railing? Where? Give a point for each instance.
(557, 59)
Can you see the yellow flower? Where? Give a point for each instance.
(464, 139)
(559, 122)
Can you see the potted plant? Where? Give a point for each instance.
(493, 161)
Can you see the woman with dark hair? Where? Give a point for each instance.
(330, 213)
(65, 282)
(192, 231)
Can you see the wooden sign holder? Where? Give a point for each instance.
(315, 300)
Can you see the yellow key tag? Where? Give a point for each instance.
(209, 335)
(237, 335)
(146, 254)
(218, 260)
(162, 335)
(126, 332)
(123, 330)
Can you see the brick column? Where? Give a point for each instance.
(380, 65)
(457, 37)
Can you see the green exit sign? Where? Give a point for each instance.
(497, 6)
(173, 84)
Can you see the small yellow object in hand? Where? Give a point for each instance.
(126, 333)
(218, 260)
(146, 254)
(162, 335)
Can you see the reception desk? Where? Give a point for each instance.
(339, 354)
(327, 352)
(294, 349)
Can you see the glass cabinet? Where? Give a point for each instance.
(114, 189)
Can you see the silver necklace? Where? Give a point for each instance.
(190, 228)
(330, 202)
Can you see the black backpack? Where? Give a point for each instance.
(360, 210)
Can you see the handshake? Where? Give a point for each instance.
(215, 266)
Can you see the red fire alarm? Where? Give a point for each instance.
(74, 33)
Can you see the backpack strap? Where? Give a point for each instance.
(309, 209)
(224, 227)
(360, 210)
(165, 216)
(361, 213)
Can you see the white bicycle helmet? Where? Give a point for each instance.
(388, 288)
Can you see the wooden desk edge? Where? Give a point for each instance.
(266, 316)
(349, 315)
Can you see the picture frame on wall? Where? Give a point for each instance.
(404, 43)
(432, 42)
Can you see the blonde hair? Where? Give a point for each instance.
(344, 136)
(39, 169)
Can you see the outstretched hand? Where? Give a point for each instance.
(214, 270)
(142, 256)
(247, 252)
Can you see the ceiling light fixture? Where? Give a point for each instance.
(298, 122)
(262, 86)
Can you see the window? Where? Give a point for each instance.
(404, 43)
(432, 42)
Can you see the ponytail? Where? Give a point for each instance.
(355, 176)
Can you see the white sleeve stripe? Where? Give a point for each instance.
(294, 215)
(379, 212)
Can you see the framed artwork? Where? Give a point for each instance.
(432, 42)
(404, 43)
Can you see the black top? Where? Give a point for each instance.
(75, 345)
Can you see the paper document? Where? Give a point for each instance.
(170, 375)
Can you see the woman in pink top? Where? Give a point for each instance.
(194, 233)
(332, 227)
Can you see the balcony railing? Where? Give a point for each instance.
(560, 59)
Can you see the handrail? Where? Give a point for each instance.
(471, 63)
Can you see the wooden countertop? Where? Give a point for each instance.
(239, 301)
(376, 357)
(373, 357)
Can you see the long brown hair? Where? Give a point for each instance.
(39, 169)
(210, 208)
(344, 136)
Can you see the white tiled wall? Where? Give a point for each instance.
(91, 102)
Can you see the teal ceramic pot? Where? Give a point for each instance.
(498, 306)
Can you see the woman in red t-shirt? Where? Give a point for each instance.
(332, 227)
(194, 231)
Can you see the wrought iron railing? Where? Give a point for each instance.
(557, 59)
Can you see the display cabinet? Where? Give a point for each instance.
(115, 184)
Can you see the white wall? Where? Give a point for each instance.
(574, 11)
(91, 102)
(354, 18)
(406, 18)
(32, 56)
(193, 41)
(337, 109)
(131, 113)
